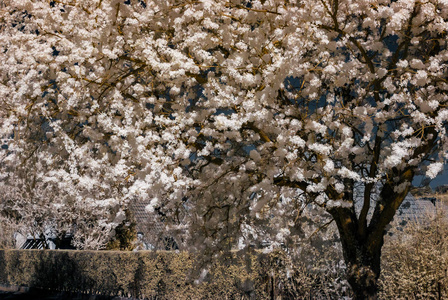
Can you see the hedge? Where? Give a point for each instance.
(144, 274)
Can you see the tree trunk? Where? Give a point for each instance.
(362, 255)
(364, 281)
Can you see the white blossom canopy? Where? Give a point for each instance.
(227, 113)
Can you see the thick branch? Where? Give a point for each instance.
(263, 135)
(284, 181)
(347, 226)
(390, 199)
(368, 188)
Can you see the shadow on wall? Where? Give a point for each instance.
(159, 275)
(73, 271)
(154, 275)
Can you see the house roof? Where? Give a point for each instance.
(155, 231)
(146, 222)
(415, 208)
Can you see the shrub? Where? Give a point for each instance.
(415, 261)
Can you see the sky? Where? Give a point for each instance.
(441, 179)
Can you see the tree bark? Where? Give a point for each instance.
(363, 257)
(363, 275)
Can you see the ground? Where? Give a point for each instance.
(36, 294)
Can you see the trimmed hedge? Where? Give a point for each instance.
(145, 274)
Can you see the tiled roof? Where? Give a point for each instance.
(145, 222)
(414, 208)
(155, 232)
